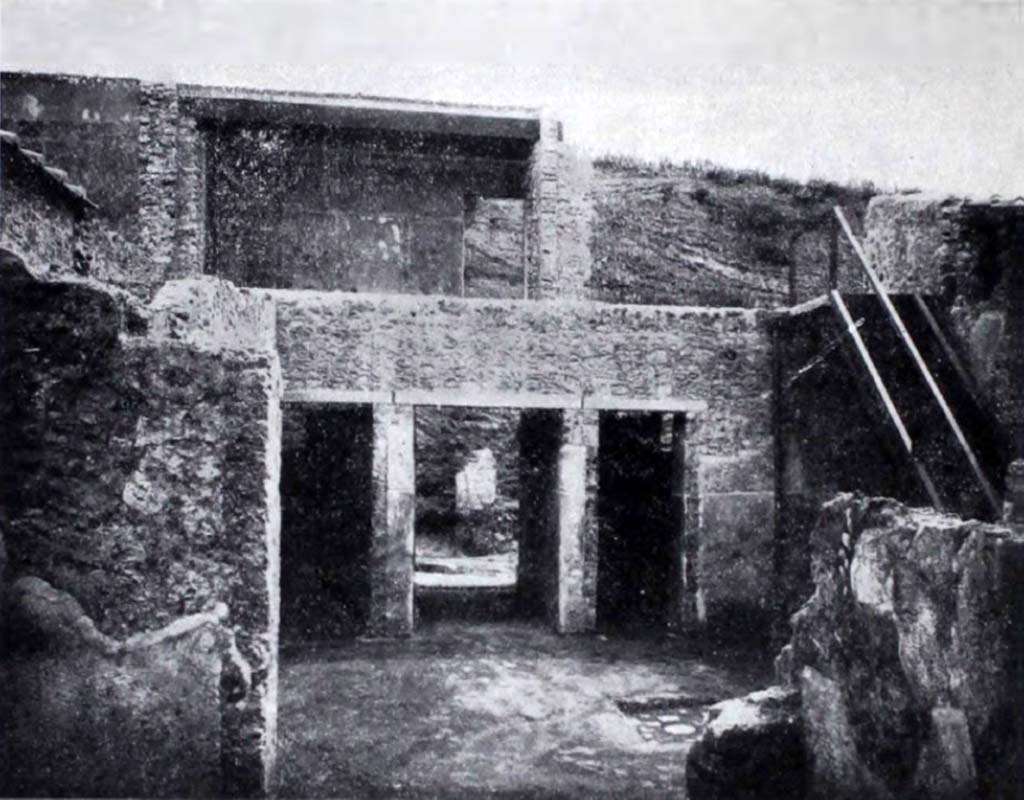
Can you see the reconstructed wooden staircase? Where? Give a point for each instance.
(920, 393)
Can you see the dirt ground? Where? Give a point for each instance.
(499, 710)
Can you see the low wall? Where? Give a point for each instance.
(909, 654)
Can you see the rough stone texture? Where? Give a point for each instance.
(34, 223)
(211, 314)
(190, 195)
(385, 343)
(908, 655)
(89, 127)
(817, 384)
(495, 249)
(480, 525)
(157, 731)
(751, 747)
(141, 476)
(140, 156)
(1014, 511)
(966, 255)
(392, 560)
(919, 242)
(683, 236)
(558, 219)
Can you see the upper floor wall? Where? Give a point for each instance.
(287, 190)
(341, 209)
(294, 190)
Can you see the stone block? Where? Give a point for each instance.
(752, 747)
(908, 653)
(837, 770)
(1014, 508)
(211, 314)
(918, 242)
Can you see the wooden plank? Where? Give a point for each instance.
(883, 392)
(954, 358)
(808, 306)
(833, 258)
(894, 317)
(869, 362)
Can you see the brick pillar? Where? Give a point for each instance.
(577, 522)
(394, 514)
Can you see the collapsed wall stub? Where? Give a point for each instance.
(177, 407)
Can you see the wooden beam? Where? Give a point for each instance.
(954, 358)
(808, 306)
(894, 317)
(876, 379)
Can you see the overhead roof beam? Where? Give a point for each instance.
(251, 105)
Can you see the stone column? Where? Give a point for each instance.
(394, 514)
(577, 522)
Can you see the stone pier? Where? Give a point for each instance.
(394, 515)
(558, 528)
(577, 523)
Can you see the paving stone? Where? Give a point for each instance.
(680, 729)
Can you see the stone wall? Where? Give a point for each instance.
(140, 475)
(908, 655)
(684, 236)
(333, 209)
(495, 249)
(141, 157)
(384, 343)
(35, 223)
(716, 362)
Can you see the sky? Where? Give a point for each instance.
(925, 94)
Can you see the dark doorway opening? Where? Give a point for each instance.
(639, 525)
(326, 518)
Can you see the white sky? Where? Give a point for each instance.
(922, 93)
